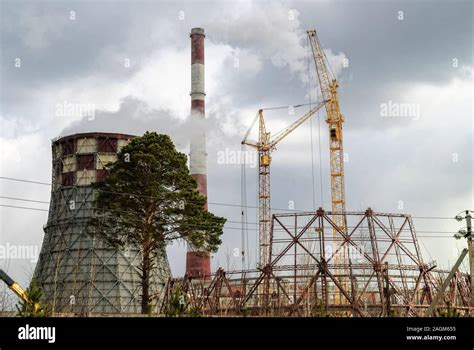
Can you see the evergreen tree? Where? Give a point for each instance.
(148, 200)
(33, 307)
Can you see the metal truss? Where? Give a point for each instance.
(385, 274)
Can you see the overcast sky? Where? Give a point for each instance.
(131, 61)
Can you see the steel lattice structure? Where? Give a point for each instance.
(385, 273)
(77, 272)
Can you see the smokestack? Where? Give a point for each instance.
(198, 263)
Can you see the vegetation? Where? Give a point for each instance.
(448, 311)
(318, 310)
(179, 304)
(35, 307)
(148, 200)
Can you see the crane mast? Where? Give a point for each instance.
(265, 146)
(334, 120)
(264, 160)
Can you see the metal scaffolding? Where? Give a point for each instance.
(385, 272)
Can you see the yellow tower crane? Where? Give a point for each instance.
(335, 120)
(265, 146)
(328, 85)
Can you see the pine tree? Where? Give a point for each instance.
(33, 307)
(148, 200)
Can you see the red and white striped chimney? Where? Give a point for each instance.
(198, 263)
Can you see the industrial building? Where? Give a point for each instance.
(78, 273)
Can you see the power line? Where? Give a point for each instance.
(239, 228)
(433, 217)
(21, 180)
(35, 201)
(319, 135)
(213, 203)
(285, 107)
(18, 207)
(244, 213)
(24, 200)
(311, 132)
(231, 221)
(153, 197)
(39, 209)
(251, 223)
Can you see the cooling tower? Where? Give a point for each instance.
(79, 273)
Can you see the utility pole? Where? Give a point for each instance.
(468, 235)
(471, 256)
(432, 308)
(387, 289)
